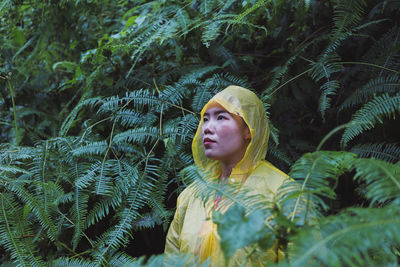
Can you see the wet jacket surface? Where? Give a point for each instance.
(192, 230)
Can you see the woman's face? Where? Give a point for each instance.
(225, 135)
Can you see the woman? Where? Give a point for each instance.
(231, 144)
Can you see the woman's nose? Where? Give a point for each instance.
(208, 128)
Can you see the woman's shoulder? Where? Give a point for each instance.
(188, 195)
(267, 174)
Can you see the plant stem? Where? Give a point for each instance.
(14, 110)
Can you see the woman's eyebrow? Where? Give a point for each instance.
(216, 112)
(220, 112)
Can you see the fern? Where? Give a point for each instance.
(19, 245)
(382, 151)
(384, 50)
(210, 32)
(136, 199)
(346, 14)
(36, 206)
(325, 67)
(79, 215)
(381, 178)
(139, 135)
(335, 241)
(183, 20)
(12, 169)
(366, 117)
(328, 89)
(62, 262)
(93, 148)
(147, 221)
(69, 120)
(201, 97)
(319, 171)
(257, 5)
(279, 154)
(387, 84)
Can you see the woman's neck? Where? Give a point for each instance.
(226, 170)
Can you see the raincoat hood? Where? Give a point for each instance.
(240, 101)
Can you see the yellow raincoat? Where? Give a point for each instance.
(192, 230)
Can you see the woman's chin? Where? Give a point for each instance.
(211, 155)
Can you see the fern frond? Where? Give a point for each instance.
(102, 208)
(12, 169)
(183, 19)
(110, 104)
(318, 171)
(12, 231)
(257, 5)
(382, 151)
(281, 71)
(353, 237)
(300, 208)
(202, 96)
(15, 154)
(147, 221)
(64, 262)
(386, 47)
(382, 179)
(187, 126)
(90, 149)
(104, 181)
(40, 209)
(325, 67)
(366, 117)
(275, 152)
(210, 32)
(386, 84)
(223, 55)
(123, 259)
(139, 135)
(130, 118)
(174, 94)
(346, 14)
(125, 177)
(328, 89)
(79, 213)
(69, 120)
(136, 199)
(141, 98)
(197, 74)
(141, 43)
(89, 176)
(226, 79)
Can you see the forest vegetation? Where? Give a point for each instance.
(99, 101)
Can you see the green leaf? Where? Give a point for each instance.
(130, 21)
(18, 37)
(65, 65)
(238, 230)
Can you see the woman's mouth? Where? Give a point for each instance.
(208, 141)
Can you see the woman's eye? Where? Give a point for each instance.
(205, 119)
(220, 118)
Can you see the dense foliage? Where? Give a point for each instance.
(100, 99)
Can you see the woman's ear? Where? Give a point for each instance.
(247, 133)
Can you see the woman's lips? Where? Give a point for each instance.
(208, 141)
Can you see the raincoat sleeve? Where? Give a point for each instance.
(172, 241)
(172, 244)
